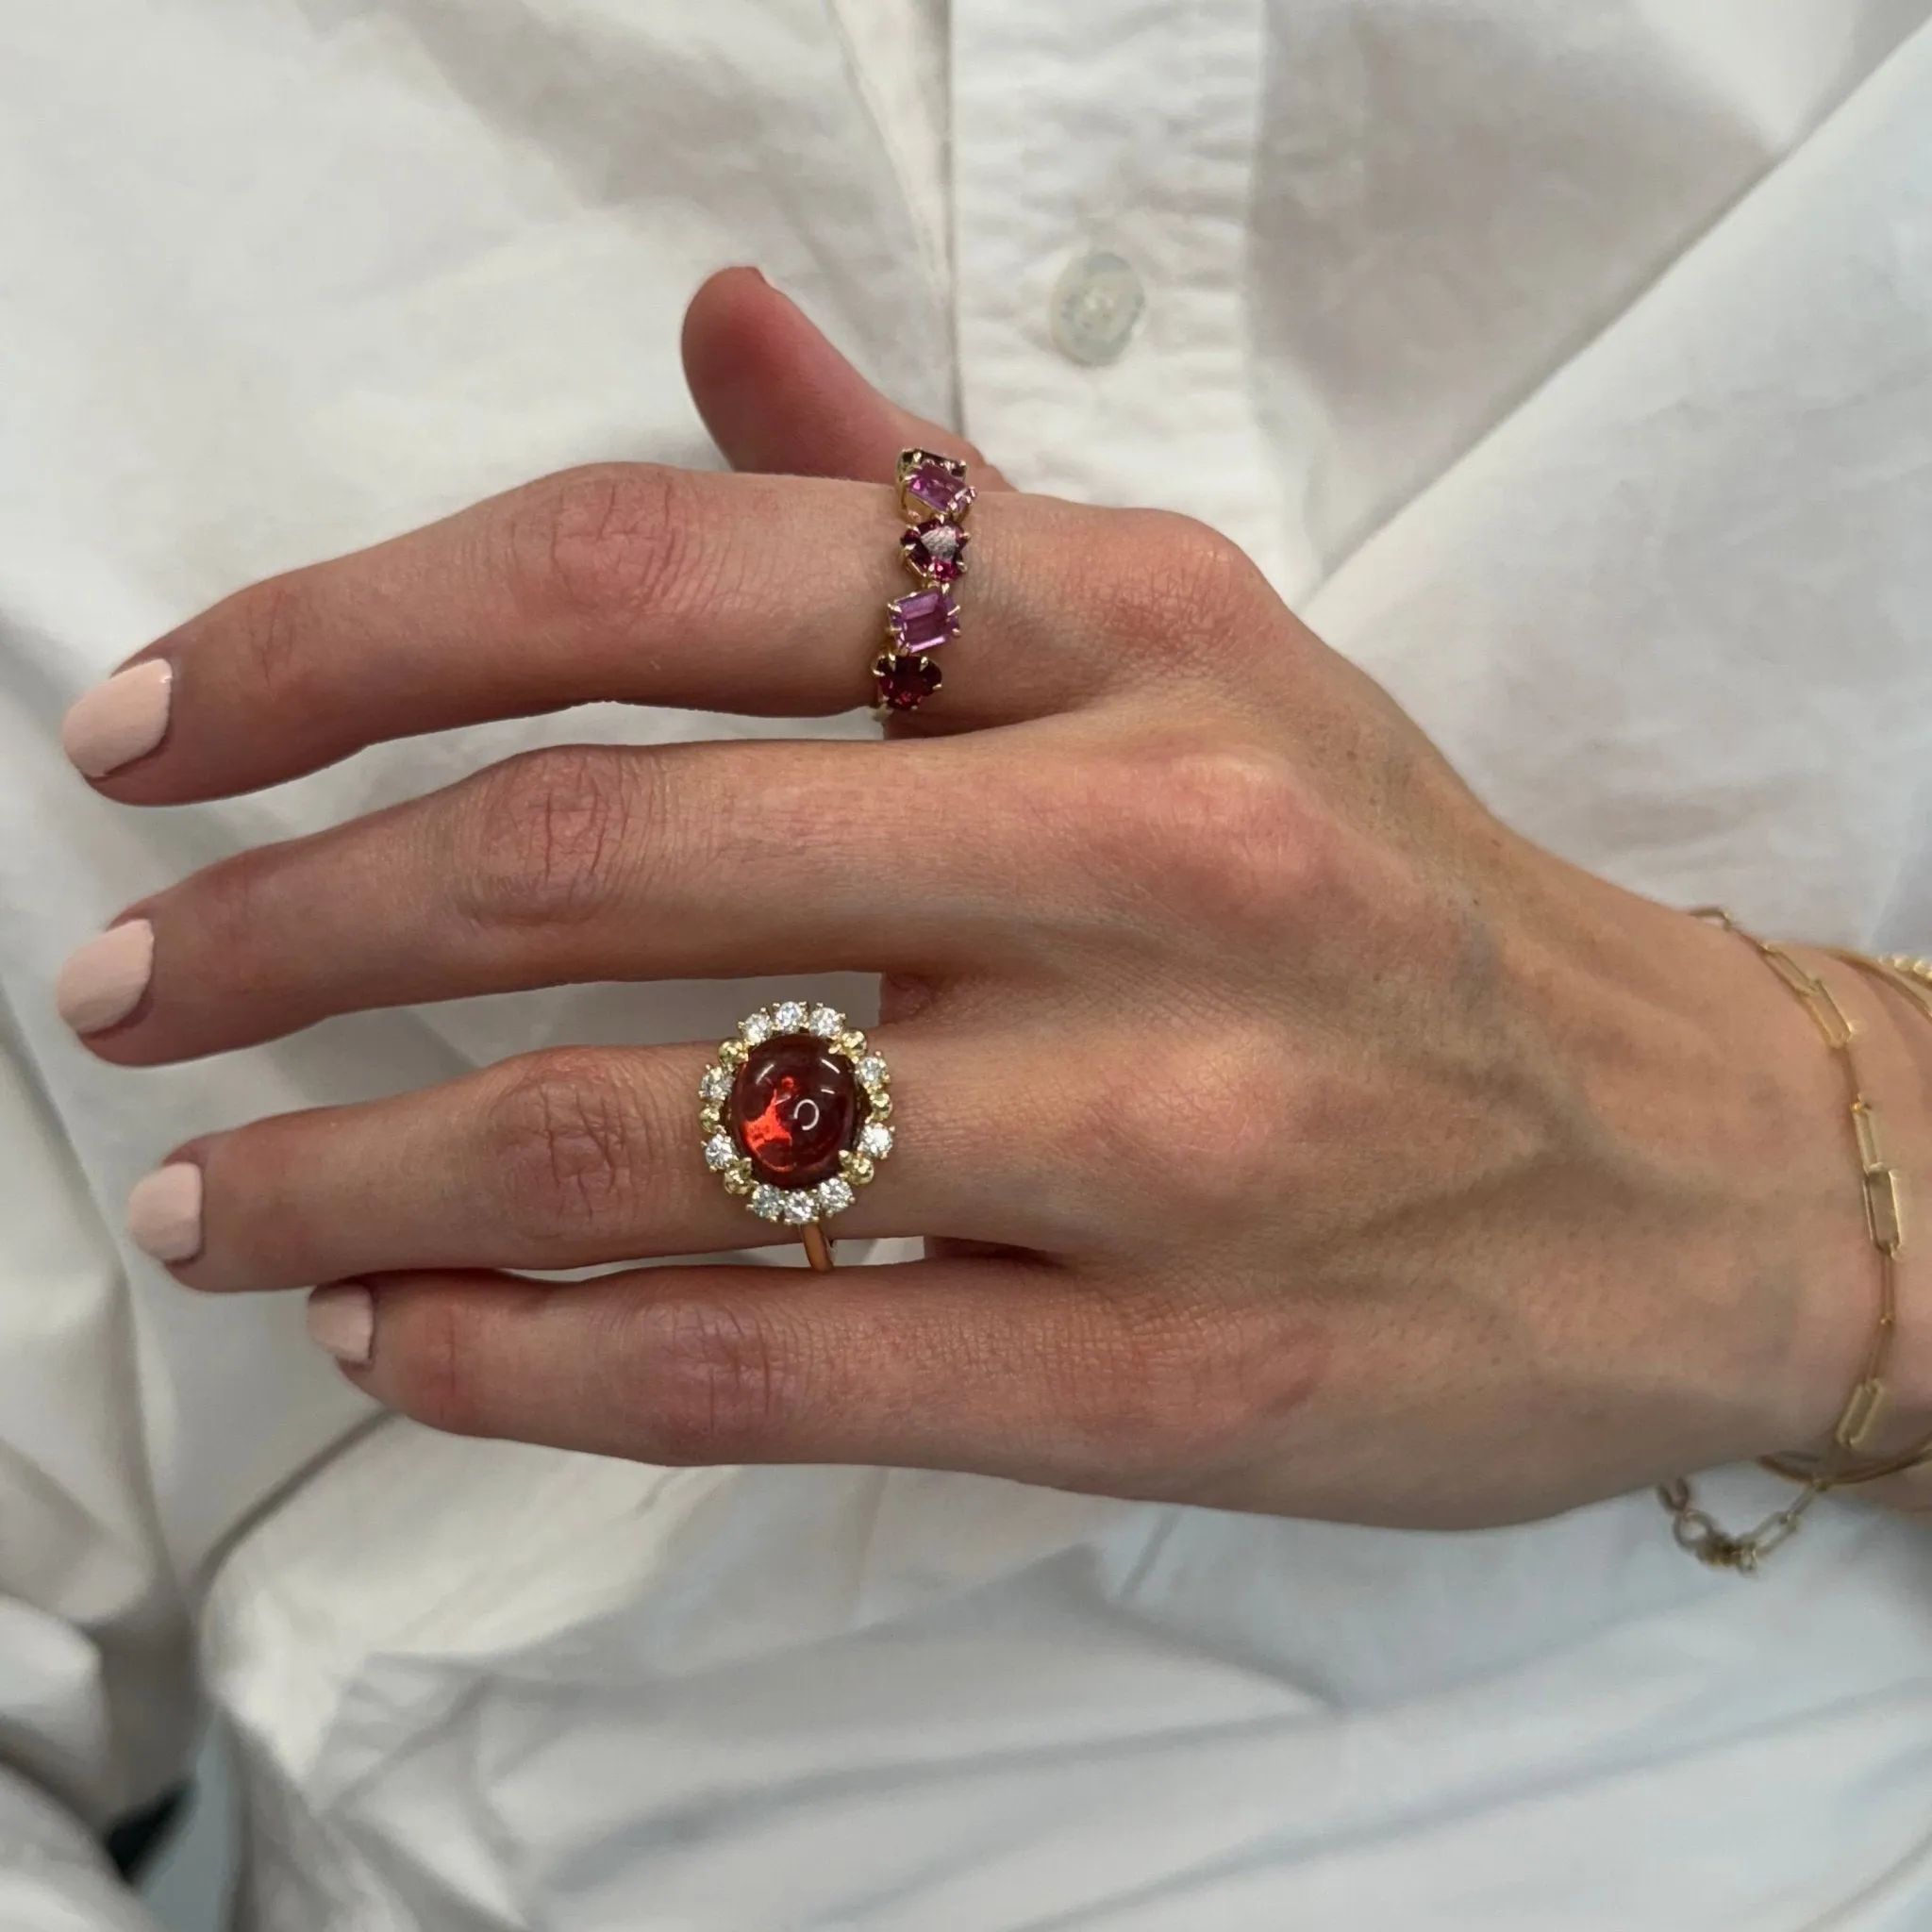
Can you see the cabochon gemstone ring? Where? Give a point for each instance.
(934, 497)
(794, 1116)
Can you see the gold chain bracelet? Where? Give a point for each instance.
(1695, 1529)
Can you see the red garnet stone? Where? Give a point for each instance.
(906, 683)
(795, 1109)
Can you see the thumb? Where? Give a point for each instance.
(778, 397)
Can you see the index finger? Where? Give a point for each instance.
(651, 585)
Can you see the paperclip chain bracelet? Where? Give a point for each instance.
(1695, 1529)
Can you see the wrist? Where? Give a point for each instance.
(1719, 1092)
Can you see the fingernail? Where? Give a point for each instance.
(164, 1212)
(103, 981)
(341, 1319)
(119, 721)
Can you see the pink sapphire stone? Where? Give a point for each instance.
(923, 621)
(942, 492)
(937, 550)
(906, 683)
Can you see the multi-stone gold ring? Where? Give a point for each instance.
(934, 497)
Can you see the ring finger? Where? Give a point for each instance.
(567, 1159)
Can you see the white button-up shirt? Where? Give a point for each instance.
(1570, 367)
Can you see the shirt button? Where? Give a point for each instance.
(1097, 304)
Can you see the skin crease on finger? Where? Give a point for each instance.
(1297, 1137)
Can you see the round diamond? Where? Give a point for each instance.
(936, 550)
(799, 1206)
(756, 1030)
(827, 1022)
(767, 1203)
(718, 1153)
(715, 1085)
(834, 1196)
(876, 1141)
(789, 1017)
(873, 1071)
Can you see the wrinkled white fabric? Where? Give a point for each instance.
(1566, 366)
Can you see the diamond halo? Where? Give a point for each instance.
(826, 1029)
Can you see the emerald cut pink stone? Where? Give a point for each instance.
(923, 621)
(938, 483)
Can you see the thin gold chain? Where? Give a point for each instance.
(1695, 1530)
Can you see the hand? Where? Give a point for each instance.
(1291, 1135)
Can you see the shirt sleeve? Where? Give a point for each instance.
(54, 1876)
(97, 1698)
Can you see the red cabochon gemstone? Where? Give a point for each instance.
(794, 1108)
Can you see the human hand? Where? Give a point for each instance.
(1291, 1135)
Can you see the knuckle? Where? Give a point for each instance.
(1228, 839)
(724, 1381)
(233, 918)
(1185, 595)
(430, 1373)
(549, 837)
(1204, 1124)
(1164, 1393)
(572, 1144)
(610, 541)
(275, 621)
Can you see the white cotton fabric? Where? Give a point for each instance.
(1570, 367)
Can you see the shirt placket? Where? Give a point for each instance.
(1102, 166)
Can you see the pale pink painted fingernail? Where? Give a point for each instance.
(341, 1319)
(119, 721)
(103, 981)
(164, 1212)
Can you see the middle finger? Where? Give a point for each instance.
(579, 863)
